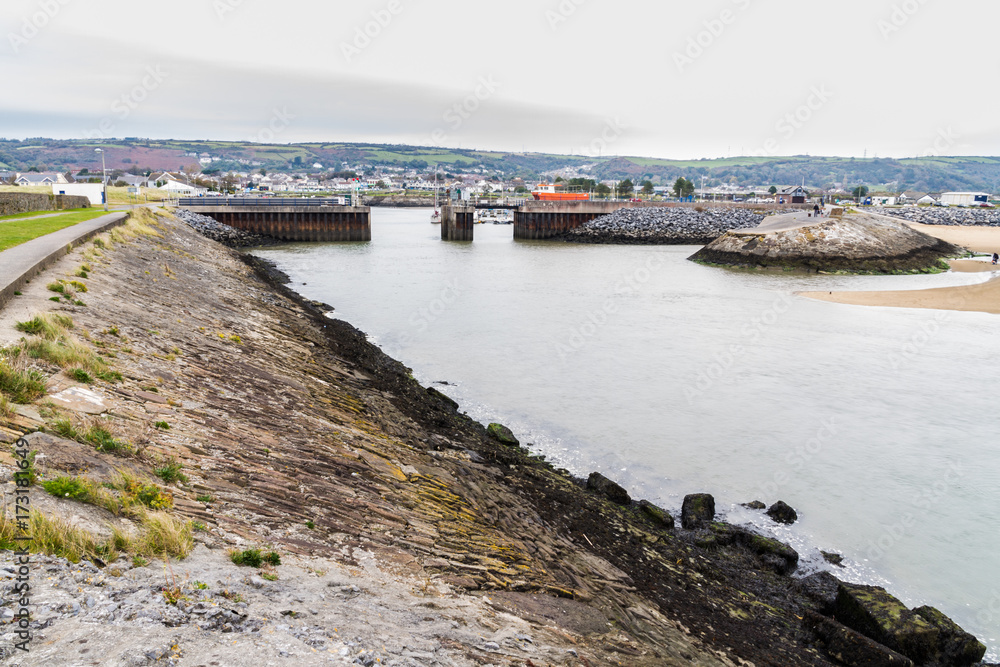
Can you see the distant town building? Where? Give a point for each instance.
(965, 198)
(40, 179)
(92, 191)
(795, 194)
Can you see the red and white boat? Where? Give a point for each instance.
(548, 192)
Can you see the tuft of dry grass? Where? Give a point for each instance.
(159, 534)
(55, 537)
(18, 381)
(47, 326)
(52, 342)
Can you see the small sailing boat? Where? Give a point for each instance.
(436, 215)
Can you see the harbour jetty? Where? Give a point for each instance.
(288, 219)
(396, 530)
(852, 243)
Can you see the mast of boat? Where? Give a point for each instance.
(436, 188)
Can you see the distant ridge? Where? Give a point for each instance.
(924, 174)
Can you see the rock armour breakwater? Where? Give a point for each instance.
(222, 233)
(853, 244)
(663, 226)
(963, 217)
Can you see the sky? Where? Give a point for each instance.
(885, 78)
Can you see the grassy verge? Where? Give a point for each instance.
(35, 214)
(15, 232)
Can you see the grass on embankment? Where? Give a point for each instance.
(14, 232)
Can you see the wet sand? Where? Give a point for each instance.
(984, 297)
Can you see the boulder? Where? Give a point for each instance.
(657, 515)
(501, 433)
(821, 588)
(782, 513)
(698, 509)
(777, 555)
(956, 647)
(852, 648)
(447, 400)
(832, 558)
(614, 492)
(755, 505)
(875, 613)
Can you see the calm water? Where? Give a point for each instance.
(878, 425)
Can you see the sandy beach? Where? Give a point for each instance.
(984, 297)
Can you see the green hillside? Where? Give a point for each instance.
(919, 173)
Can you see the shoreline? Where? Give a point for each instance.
(983, 297)
(430, 490)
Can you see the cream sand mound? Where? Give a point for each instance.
(857, 243)
(984, 297)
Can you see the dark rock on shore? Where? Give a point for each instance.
(755, 505)
(832, 558)
(663, 226)
(822, 588)
(698, 509)
(776, 555)
(501, 433)
(614, 492)
(657, 515)
(924, 635)
(781, 512)
(853, 648)
(854, 244)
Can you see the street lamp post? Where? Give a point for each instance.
(104, 180)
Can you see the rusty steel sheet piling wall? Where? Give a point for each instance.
(308, 224)
(457, 223)
(544, 220)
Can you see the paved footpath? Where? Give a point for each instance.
(782, 223)
(23, 262)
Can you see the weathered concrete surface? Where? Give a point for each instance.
(856, 243)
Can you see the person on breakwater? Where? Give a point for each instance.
(995, 257)
(815, 210)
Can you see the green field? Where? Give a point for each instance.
(15, 230)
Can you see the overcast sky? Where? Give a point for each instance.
(666, 79)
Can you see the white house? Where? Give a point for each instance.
(965, 198)
(92, 191)
(926, 200)
(40, 179)
(881, 200)
(182, 189)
